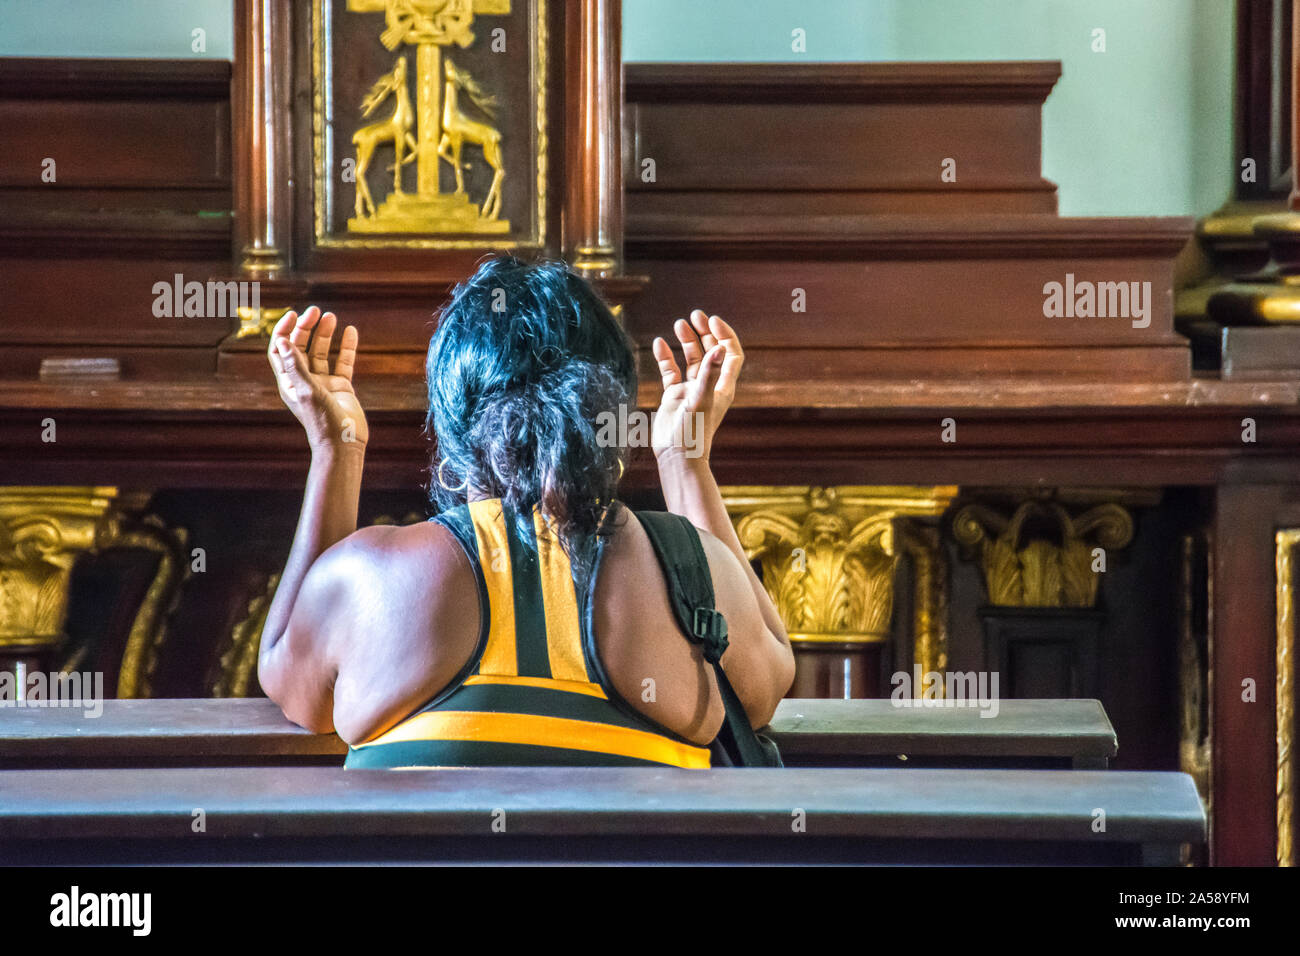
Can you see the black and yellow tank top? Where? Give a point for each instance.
(534, 692)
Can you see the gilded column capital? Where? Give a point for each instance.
(42, 533)
(829, 554)
(1040, 555)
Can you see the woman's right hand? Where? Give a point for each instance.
(326, 405)
(694, 403)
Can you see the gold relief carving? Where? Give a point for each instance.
(239, 662)
(258, 322)
(1193, 672)
(148, 630)
(924, 545)
(833, 581)
(396, 130)
(42, 533)
(1285, 687)
(452, 111)
(1053, 568)
(829, 554)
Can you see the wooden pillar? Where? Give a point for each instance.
(593, 213)
(260, 117)
(1242, 737)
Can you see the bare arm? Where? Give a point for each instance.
(690, 490)
(296, 666)
(692, 408)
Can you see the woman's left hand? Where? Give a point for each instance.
(325, 404)
(696, 400)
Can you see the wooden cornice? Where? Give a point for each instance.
(400, 394)
(915, 237)
(840, 82)
(149, 233)
(107, 79)
(236, 433)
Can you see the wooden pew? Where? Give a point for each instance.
(253, 732)
(245, 731)
(1025, 733)
(792, 815)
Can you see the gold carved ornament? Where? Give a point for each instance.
(1194, 748)
(148, 630)
(1285, 689)
(43, 532)
(238, 664)
(924, 545)
(451, 111)
(1055, 571)
(258, 322)
(830, 581)
(829, 557)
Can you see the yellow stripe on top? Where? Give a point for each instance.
(572, 687)
(563, 632)
(539, 731)
(499, 656)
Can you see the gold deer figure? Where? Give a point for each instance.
(458, 129)
(396, 129)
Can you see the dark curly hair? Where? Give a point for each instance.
(524, 361)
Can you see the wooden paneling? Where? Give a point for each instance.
(141, 192)
(807, 205)
(154, 132)
(796, 139)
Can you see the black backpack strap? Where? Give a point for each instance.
(690, 592)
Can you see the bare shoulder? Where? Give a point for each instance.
(630, 552)
(399, 620)
(383, 572)
(380, 551)
(639, 639)
(650, 662)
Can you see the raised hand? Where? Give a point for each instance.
(694, 403)
(324, 403)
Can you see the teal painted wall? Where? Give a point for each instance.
(161, 29)
(1142, 129)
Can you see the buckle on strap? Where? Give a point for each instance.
(709, 628)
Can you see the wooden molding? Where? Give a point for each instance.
(111, 79)
(840, 82)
